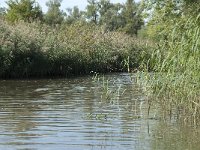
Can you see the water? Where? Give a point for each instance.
(84, 113)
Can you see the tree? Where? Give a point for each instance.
(2, 12)
(54, 15)
(92, 11)
(132, 17)
(104, 6)
(166, 14)
(27, 10)
(74, 15)
(110, 15)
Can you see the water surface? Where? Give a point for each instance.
(84, 113)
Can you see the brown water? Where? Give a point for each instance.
(84, 113)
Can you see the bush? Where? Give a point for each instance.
(37, 50)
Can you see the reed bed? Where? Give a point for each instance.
(174, 85)
(37, 50)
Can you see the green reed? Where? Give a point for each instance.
(37, 50)
(175, 82)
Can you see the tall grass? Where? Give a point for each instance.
(36, 50)
(175, 83)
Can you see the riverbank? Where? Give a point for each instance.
(37, 50)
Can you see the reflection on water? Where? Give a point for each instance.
(82, 114)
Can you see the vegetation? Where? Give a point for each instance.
(106, 37)
(74, 15)
(27, 10)
(57, 43)
(175, 62)
(2, 11)
(54, 15)
(114, 17)
(32, 49)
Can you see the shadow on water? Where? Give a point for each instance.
(83, 113)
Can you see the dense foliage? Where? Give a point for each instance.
(27, 10)
(176, 60)
(54, 15)
(114, 17)
(33, 49)
(58, 43)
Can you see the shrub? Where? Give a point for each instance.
(37, 50)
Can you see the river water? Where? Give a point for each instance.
(84, 113)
